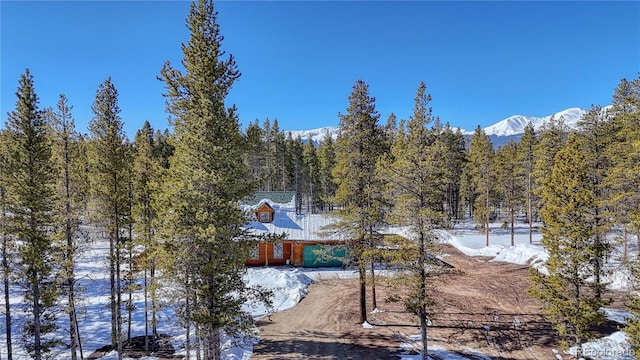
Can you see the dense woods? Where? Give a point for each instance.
(168, 201)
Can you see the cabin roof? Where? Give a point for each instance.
(277, 197)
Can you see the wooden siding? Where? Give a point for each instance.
(292, 251)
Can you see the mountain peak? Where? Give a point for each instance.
(514, 125)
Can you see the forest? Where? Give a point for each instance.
(168, 200)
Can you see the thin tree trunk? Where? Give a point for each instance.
(37, 341)
(146, 309)
(154, 299)
(7, 297)
(513, 215)
(118, 301)
(373, 285)
(198, 337)
(112, 289)
(529, 209)
(130, 280)
(486, 227)
(363, 290)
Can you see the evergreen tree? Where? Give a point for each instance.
(526, 160)
(454, 160)
(109, 187)
(5, 236)
(596, 134)
(206, 180)
(72, 190)
(311, 175)
(481, 176)
(552, 137)
(569, 300)
(510, 181)
(357, 150)
(146, 182)
(417, 185)
(32, 189)
(327, 160)
(256, 152)
(624, 155)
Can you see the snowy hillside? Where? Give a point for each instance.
(515, 124)
(316, 135)
(509, 127)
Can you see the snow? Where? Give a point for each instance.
(316, 135)
(612, 347)
(289, 286)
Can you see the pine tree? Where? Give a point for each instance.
(454, 161)
(552, 137)
(416, 184)
(623, 152)
(327, 160)
(481, 178)
(72, 191)
(526, 148)
(146, 182)
(109, 188)
(311, 175)
(32, 185)
(510, 182)
(256, 152)
(358, 148)
(5, 236)
(206, 180)
(596, 133)
(569, 300)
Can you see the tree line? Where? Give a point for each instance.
(167, 202)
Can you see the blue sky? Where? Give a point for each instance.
(481, 61)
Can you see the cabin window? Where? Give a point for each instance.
(254, 252)
(265, 216)
(278, 251)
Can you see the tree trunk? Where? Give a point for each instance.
(146, 309)
(37, 341)
(118, 301)
(7, 297)
(112, 289)
(529, 209)
(363, 291)
(513, 215)
(373, 285)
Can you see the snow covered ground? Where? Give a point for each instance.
(290, 286)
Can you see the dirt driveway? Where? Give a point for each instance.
(477, 310)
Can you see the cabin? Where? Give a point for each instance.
(306, 241)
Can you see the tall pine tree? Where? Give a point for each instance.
(206, 180)
(417, 184)
(109, 187)
(570, 301)
(72, 190)
(481, 175)
(32, 189)
(358, 148)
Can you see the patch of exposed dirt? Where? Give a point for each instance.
(476, 310)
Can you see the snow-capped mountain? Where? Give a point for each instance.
(500, 132)
(316, 135)
(514, 125)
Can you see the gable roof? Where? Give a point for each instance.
(277, 197)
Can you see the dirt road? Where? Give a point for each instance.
(487, 308)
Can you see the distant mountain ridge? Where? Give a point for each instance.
(500, 132)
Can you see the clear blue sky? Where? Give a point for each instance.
(481, 61)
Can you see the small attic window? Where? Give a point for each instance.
(264, 213)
